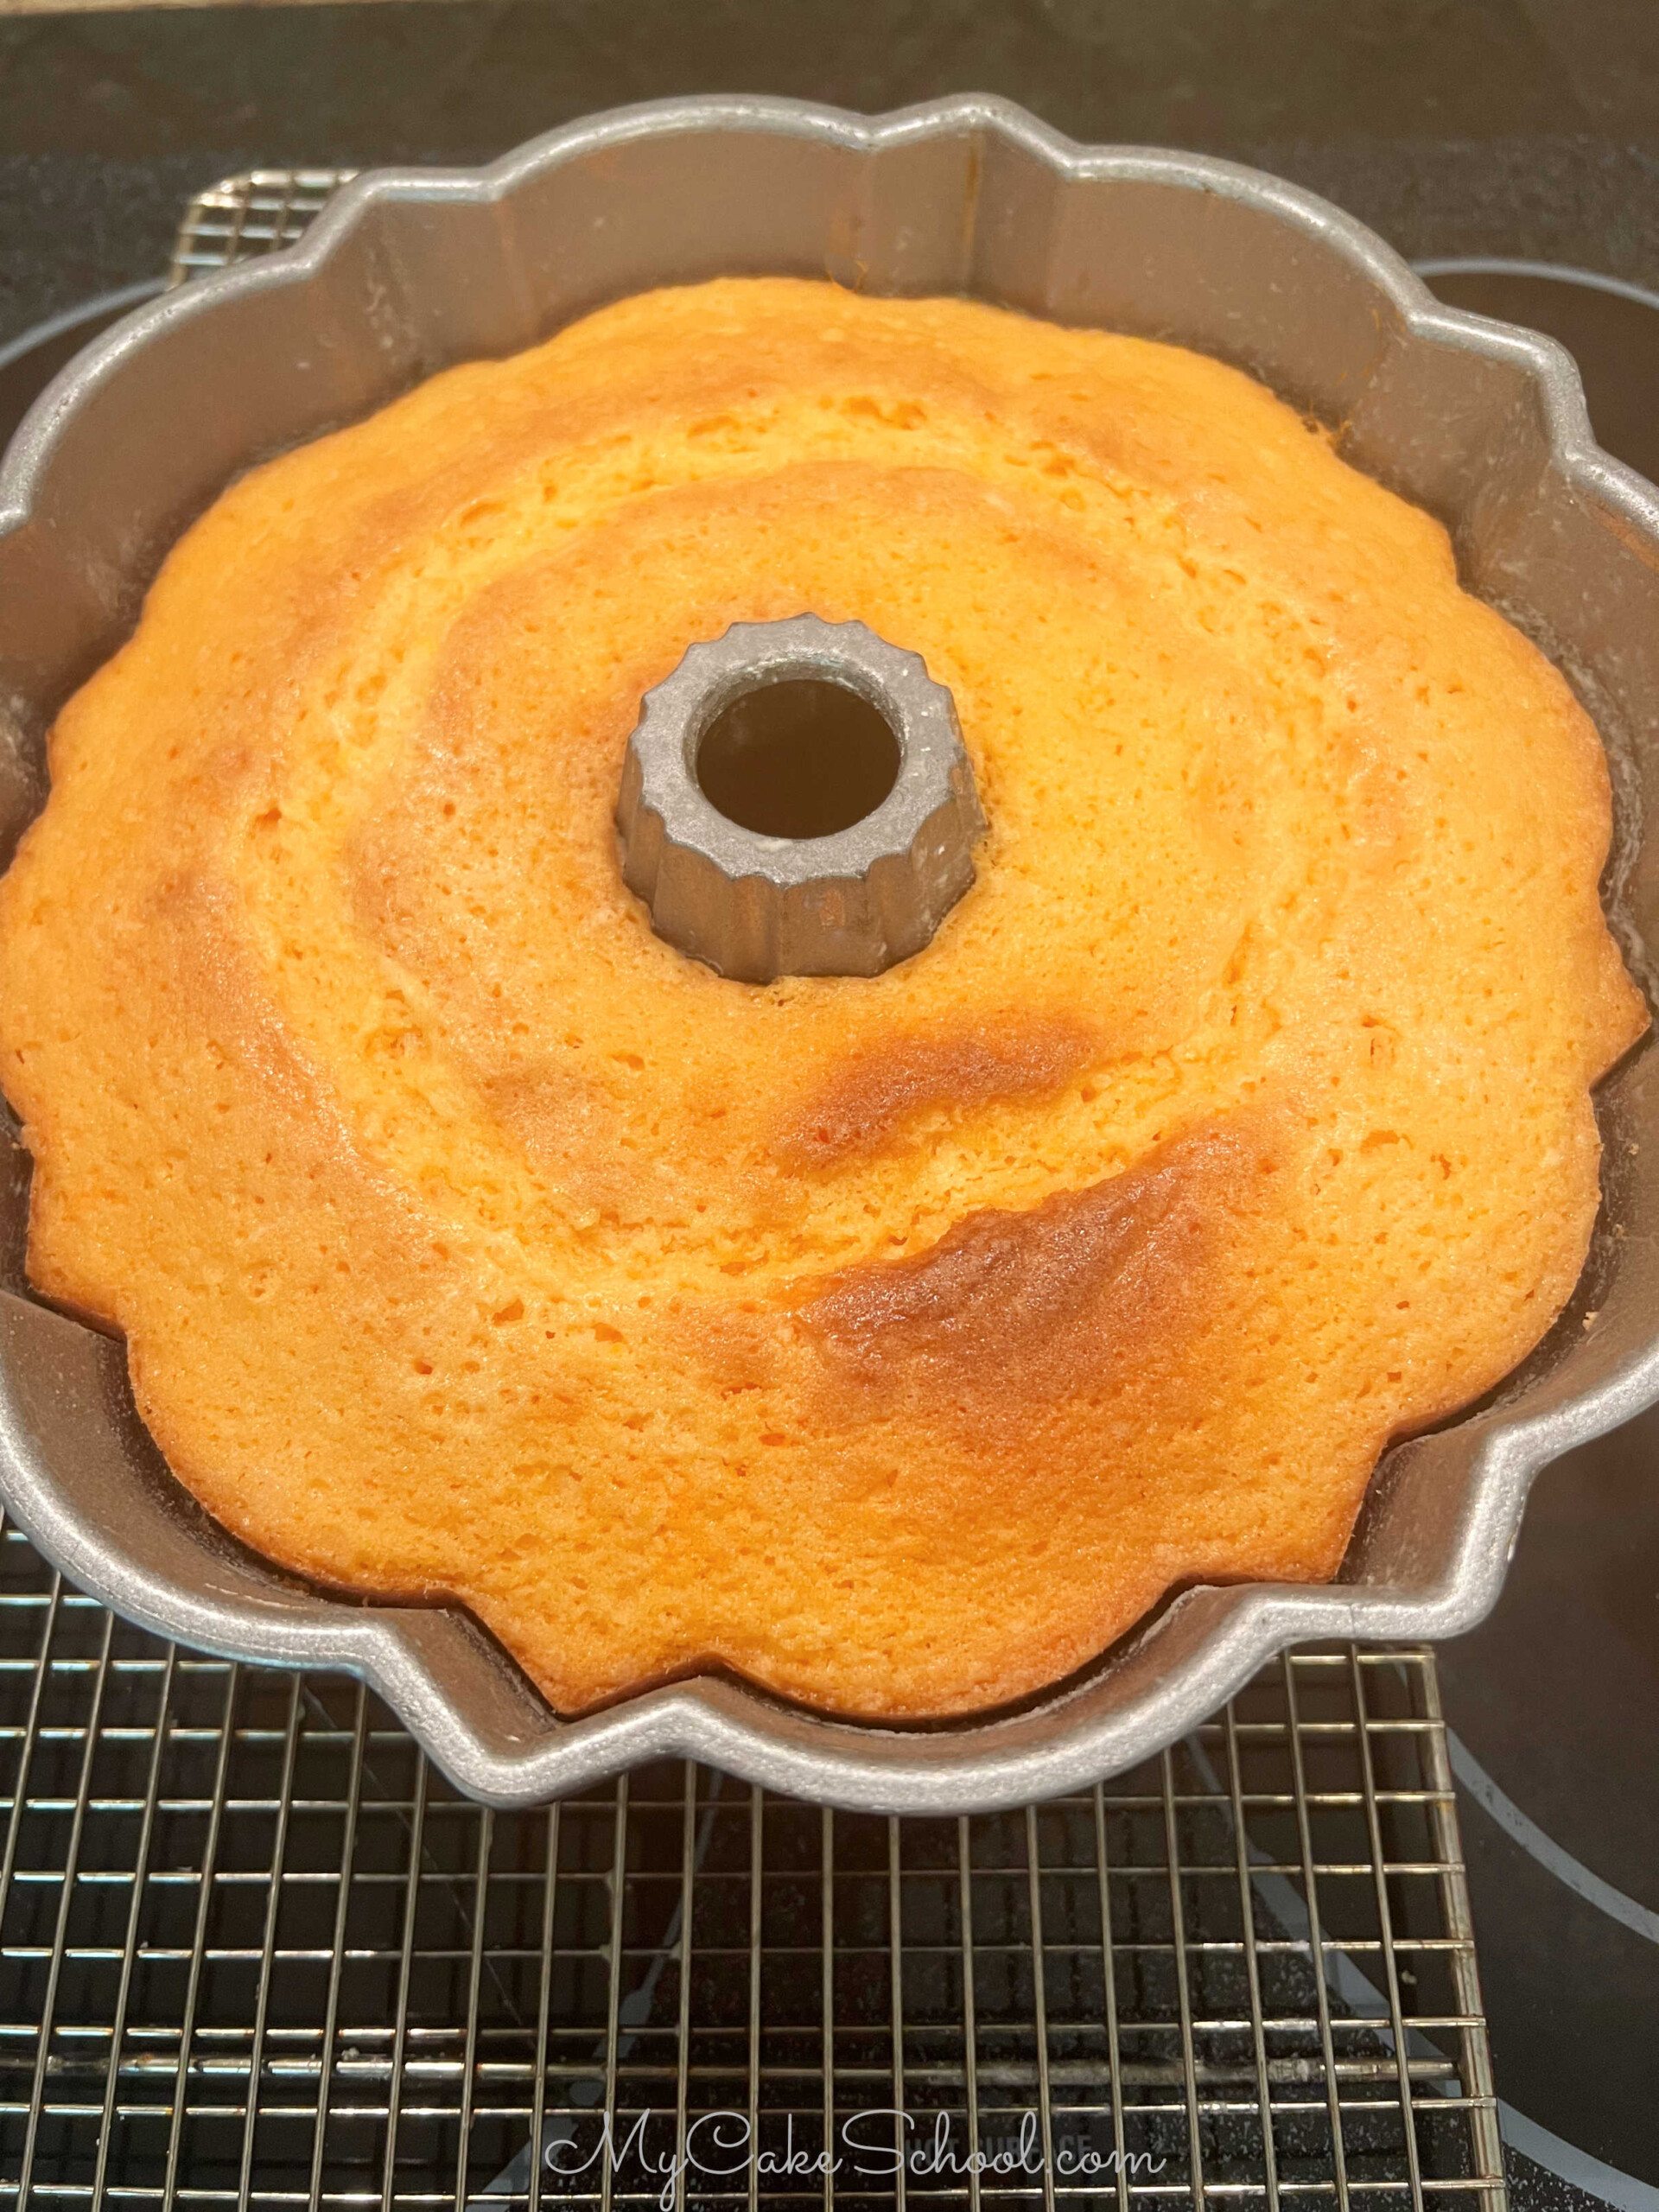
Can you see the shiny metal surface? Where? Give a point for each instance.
(255, 1952)
(754, 906)
(249, 215)
(1482, 424)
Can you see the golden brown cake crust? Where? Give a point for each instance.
(898, 1343)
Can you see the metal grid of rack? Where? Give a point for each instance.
(250, 214)
(256, 1953)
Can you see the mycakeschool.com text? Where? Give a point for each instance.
(721, 2149)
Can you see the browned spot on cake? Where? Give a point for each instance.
(739, 1346)
(577, 1137)
(1014, 1310)
(863, 1103)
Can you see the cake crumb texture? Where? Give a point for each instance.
(896, 1342)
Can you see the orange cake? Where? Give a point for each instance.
(895, 1342)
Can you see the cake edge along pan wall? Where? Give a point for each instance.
(409, 271)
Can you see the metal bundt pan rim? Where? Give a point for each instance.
(1443, 1511)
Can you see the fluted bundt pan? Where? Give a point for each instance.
(411, 270)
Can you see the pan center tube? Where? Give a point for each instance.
(796, 800)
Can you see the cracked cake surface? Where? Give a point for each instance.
(897, 1342)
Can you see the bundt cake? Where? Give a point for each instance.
(896, 1342)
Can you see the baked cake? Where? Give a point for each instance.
(897, 1342)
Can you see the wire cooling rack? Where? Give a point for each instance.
(255, 1953)
(250, 214)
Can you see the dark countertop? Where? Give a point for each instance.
(1524, 129)
(1455, 126)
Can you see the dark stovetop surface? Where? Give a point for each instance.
(1526, 127)
(1518, 129)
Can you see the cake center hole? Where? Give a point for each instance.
(801, 758)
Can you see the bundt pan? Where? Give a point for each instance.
(409, 271)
